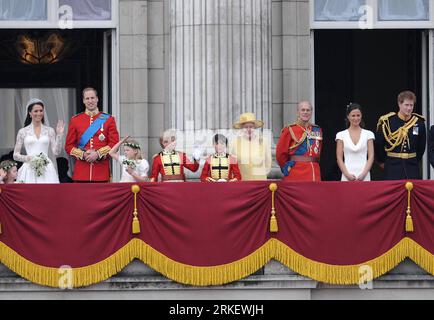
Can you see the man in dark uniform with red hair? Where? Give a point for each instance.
(91, 135)
(401, 140)
(299, 147)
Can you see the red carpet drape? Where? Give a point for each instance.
(209, 234)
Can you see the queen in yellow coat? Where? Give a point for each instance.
(252, 150)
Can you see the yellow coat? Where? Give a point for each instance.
(254, 157)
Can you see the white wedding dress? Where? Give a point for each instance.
(34, 146)
(355, 155)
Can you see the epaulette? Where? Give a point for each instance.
(78, 114)
(287, 126)
(384, 118)
(419, 116)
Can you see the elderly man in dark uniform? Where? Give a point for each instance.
(401, 140)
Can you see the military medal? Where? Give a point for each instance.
(415, 130)
(101, 137)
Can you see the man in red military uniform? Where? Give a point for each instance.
(170, 163)
(91, 135)
(299, 147)
(221, 166)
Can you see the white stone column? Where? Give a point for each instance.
(220, 62)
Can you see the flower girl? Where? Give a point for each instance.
(134, 167)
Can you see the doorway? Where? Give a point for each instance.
(369, 67)
(85, 59)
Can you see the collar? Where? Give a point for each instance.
(90, 113)
(164, 151)
(303, 124)
(220, 155)
(403, 117)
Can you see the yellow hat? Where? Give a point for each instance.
(248, 117)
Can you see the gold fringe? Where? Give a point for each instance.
(221, 274)
(51, 277)
(350, 274)
(204, 276)
(420, 255)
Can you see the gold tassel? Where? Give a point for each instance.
(136, 223)
(273, 220)
(273, 224)
(409, 221)
(409, 224)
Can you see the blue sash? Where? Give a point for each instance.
(92, 129)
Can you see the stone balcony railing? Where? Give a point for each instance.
(272, 282)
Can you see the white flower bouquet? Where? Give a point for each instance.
(39, 164)
(129, 163)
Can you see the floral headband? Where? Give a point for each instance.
(7, 166)
(132, 145)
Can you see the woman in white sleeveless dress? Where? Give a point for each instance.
(37, 138)
(355, 147)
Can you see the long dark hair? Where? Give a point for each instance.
(354, 106)
(30, 108)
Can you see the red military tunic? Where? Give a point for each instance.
(171, 166)
(102, 142)
(298, 152)
(220, 167)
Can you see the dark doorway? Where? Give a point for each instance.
(368, 67)
(79, 66)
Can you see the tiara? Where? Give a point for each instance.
(132, 145)
(8, 166)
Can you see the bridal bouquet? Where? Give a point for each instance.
(39, 164)
(129, 163)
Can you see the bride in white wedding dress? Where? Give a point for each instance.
(37, 138)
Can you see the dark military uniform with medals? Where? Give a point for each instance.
(400, 145)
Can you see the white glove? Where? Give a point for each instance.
(197, 153)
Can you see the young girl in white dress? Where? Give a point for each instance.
(8, 171)
(37, 138)
(134, 167)
(355, 147)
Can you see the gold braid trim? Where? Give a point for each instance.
(397, 138)
(103, 152)
(78, 153)
(221, 274)
(384, 118)
(297, 142)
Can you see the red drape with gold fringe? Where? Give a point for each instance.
(208, 234)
